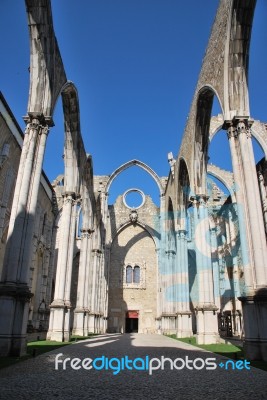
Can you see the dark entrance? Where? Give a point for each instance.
(131, 322)
(225, 324)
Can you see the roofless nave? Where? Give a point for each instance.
(194, 265)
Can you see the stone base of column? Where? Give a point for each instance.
(255, 325)
(91, 323)
(14, 313)
(100, 324)
(207, 325)
(59, 326)
(168, 321)
(79, 326)
(237, 323)
(104, 325)
(184, 324)
(96, 324)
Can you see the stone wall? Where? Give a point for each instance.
(40, 276)
(133, 246)
(9, 162)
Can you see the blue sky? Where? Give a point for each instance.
(135, 64)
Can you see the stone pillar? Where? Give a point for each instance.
(60, 307)
(252, 238)
(67, 292)
(184, 313)
(263, 198)
(106, 269)
(14, 286)
(178, 286)
(97, 295)
(92, 291)
(159, 289)
(81, 309)
(207, 323)
(215, 266)
(101, 293)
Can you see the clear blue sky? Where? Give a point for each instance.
(135, 64)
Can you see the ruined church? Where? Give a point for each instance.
(72, 264)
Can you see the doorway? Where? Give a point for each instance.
(225, 324)
(131, 322)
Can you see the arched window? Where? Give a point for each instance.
(129, 274)
(136, 274)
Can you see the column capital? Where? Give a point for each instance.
(199, 199)
(69, 197)
(38, 123)
(238, 125)
(260, 175)
(181, 233)
(97, 252)
(214, 230)
(170, 252)
(87, 233)
(33, 117)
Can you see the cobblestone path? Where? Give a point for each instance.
(37, 378)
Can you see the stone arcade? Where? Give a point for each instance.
(197, 264)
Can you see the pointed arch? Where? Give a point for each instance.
(155, 235)
(74, 152)
(137, 163)
(225, 177)
(47, 74)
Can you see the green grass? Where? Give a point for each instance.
(39, 347)
(75, 338)
(43, 346)
(227, 350)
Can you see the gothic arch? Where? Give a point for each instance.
(184, 192)
(155, 236)
(74, 152)
(47, 74)
(88, 201)
(170, 227)
(47, 81)
(218, 174)
(224, 73)
(201, 141)
(184, 187)
(258, 131)
(237, 56)
(140, 164)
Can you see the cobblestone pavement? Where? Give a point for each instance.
(37, 378)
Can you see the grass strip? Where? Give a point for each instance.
(38, 347)
(227, 350)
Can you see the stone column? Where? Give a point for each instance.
(263, 198)
(67, 292)
(101, 292)
(207, 323)
(106, 269)
(184, 313)
(97, 295)
(159, 289)
(92, 291)
(14, 286)
(215, 266)
(81, 310)
(252, 238)
(59, 309)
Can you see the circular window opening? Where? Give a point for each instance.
(133, 198)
